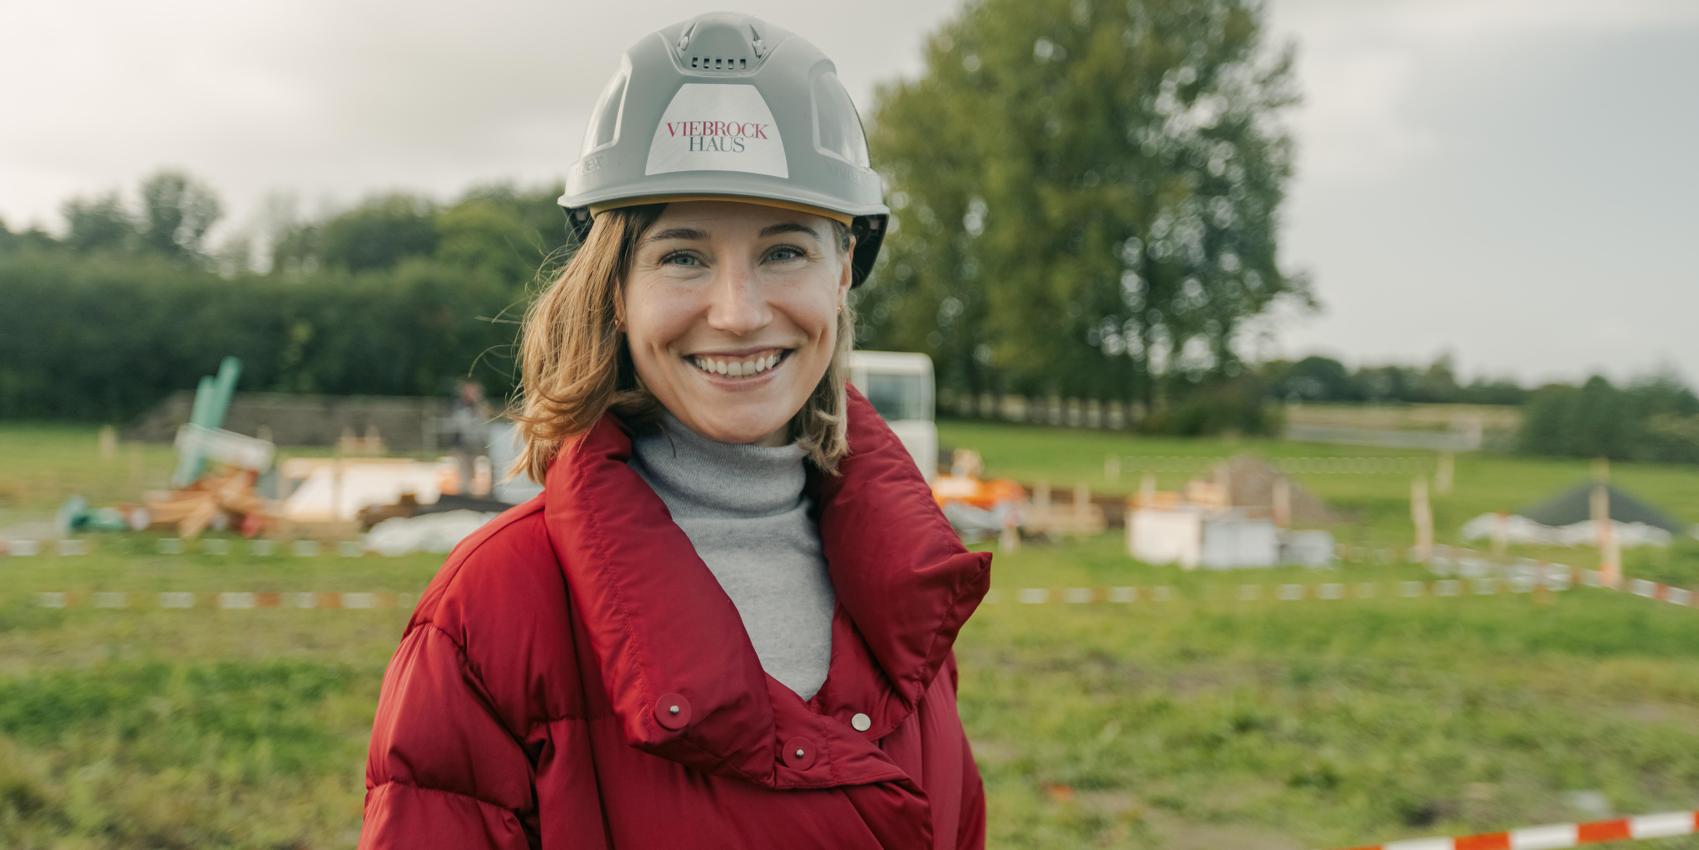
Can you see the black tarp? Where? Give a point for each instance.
(1575, 505)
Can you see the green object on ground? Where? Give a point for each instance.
(212, 402)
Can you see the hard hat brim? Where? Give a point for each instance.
(842, 218)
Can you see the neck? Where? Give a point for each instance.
(701, 476)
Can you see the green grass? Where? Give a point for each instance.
(1204, 722)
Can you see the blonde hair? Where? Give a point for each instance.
(575, 366)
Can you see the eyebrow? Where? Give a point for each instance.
(687, 233)
(694, 235)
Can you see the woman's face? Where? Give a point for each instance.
(731, 315)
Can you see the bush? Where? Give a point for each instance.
(1655, 419)
(1234, 406)
(105, 338)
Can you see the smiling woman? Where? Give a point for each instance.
(728, 620)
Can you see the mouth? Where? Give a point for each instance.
(744, 366)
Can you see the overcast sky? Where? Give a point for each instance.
(1510, 181)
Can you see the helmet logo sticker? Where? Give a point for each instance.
(709, 127)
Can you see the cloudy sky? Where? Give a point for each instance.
(1509, 181)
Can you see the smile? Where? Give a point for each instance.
(745, 366)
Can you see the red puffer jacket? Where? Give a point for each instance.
(575, 678)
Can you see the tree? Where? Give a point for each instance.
(1385, 383)
(1545, 420)
(1085, 194)
(1438, 384)
(379, 233)
(177, 211)
(1317, 378)
(1599, 420)
(98, 224)
(544, 223)
(1655, 418)
(479, 235)
(295, 249)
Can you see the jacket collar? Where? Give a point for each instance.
(679, 670)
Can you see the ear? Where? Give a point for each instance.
(847, 276)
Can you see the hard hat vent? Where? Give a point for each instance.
(723, 43)
(719, 63)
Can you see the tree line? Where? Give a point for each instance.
(397, 295)
(1321, 379)
(402, 296)
(1653, 418)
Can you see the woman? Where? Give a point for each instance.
(727, 621)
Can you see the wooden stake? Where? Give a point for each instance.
(108, 442)
(1009, 540)
(1443, 476)
(336, 486)
(1282, 502)
(1421, 511)
(1610, 552)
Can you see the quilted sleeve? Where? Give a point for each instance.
(442, 770)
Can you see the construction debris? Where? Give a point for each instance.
(224, 500)
(977, 508)
(1249, 482)
(1238, 517)
(427, 533)
(336, 489)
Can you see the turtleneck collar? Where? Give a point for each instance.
(709, 478)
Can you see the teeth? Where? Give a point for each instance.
(738, 368)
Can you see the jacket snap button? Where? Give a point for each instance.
(672, 711)
(799, 753)
(861, 722)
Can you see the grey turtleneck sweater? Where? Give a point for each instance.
(745, 512)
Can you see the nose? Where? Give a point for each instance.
(737, 305)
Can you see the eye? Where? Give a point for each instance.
(680, 258)
(786, 253)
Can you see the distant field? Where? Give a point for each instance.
(1406, 417)
(1198, 723)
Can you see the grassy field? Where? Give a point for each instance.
(1405, 417)
(1201, 722)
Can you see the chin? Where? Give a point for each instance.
(736, 429)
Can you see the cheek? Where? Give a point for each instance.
(652, 320)
(814, 310)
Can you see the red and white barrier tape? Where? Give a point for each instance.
(71, 547)
(237, 600)
(1481, 565)
(1326, 591)
(1559, 580)
(1557, 836)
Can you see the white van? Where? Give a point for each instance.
(900, 386)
